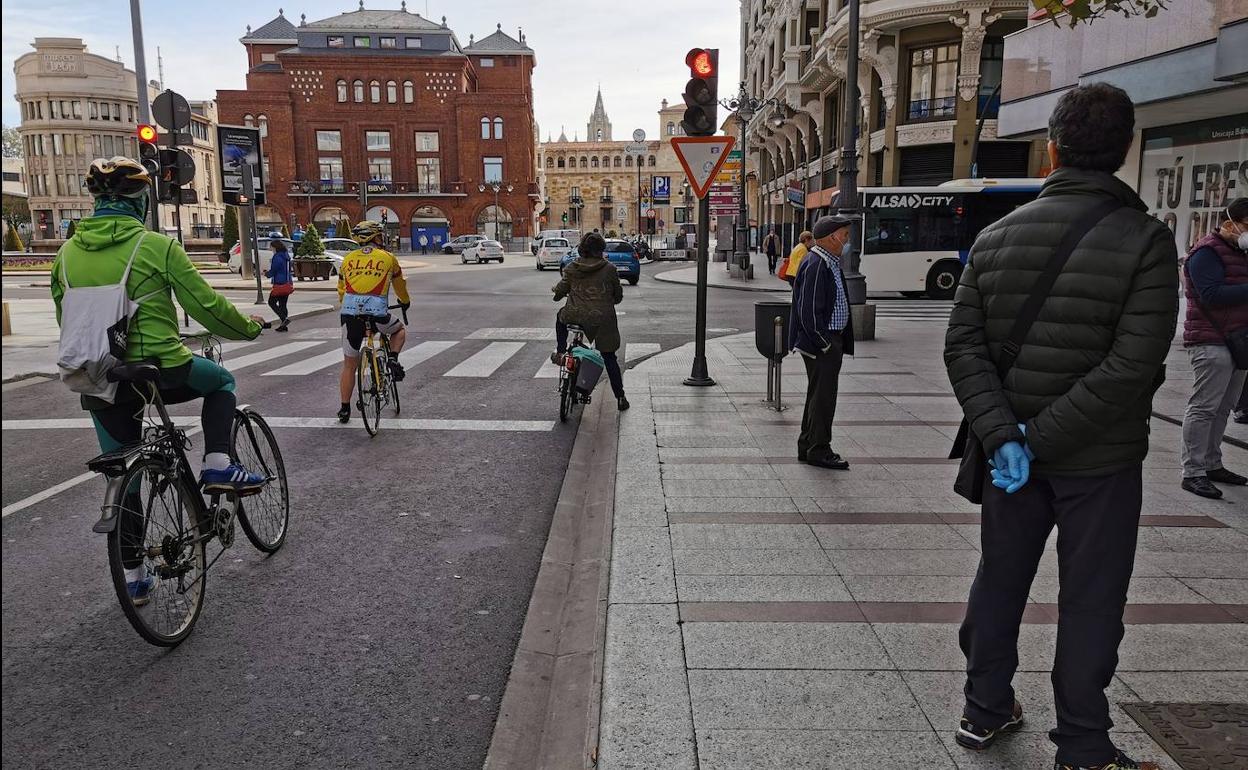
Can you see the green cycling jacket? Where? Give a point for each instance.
(97, 256)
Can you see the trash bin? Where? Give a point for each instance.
(765, 328)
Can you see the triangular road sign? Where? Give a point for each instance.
(702, 157)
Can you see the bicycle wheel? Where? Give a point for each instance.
(369, 390)
(156, 531)
(565, 395)
(264, 516)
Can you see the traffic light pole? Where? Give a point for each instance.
(699, 377)
(249, 185)
(145, 107)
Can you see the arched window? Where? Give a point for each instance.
(498, 128)
(652, 160)
(584, 162)
(249, 119)
(550, 162)
(617, 161)
(560, 163)
(593, 162)
(628, 161)
(264, 124)
(342, 91)
(392, 92)
(357, 88)
(671, 128)
(374, 91)
(485, 128)
(409, 92)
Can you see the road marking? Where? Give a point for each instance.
(67, 423)
(404, 423)
(635, 350)
(306, 366)
(242, 362)
(424, 351)
(513, 333)
(486, 361)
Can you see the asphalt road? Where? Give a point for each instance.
(381, 635)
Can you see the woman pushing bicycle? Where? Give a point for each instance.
(592, 287)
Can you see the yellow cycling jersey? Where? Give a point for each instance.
(367, 273)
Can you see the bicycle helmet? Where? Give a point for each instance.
(367, 231)
(117, 177)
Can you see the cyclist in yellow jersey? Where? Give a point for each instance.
(364, 282)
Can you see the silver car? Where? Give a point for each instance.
(458, 244)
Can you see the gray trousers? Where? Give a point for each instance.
(1216, 388)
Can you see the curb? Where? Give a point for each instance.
(549, 714)
(743, 287)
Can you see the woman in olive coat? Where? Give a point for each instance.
(593, 289)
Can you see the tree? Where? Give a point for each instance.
(229, 230)
(12, 240)
(16, 210)
(1089, 10)
(311, 245)
(12, 142)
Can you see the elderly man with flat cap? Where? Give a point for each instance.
(821, 331)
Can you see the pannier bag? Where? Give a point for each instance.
(589, 366)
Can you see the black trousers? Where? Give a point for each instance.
(822, 375)
(1096, 521)
(609, 360)
(279, 306)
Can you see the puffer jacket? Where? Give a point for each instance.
(592, 286)
(1084, 380)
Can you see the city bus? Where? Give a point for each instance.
(915, 240)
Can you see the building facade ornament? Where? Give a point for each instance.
(912, 134)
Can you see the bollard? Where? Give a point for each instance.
(779, 324)
(771, 369)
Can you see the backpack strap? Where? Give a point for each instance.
(125, 276)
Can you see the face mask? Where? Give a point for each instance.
(1243, 240)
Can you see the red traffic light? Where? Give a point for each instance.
(148, 133)
(701, 63)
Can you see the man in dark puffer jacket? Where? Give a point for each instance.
(1076, 404)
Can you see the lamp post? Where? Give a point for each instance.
(746, 107)
(855, 282)
(496, 187)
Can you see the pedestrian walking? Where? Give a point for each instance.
(771, 247)
(1067, 425)
(282, 285)
(821, 330)
(424, 243)
(790, 265)
(1215, 334)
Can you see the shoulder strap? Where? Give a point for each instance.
(125, 276)
(1044, 284)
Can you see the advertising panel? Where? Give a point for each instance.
(238, 145)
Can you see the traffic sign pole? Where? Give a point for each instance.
(699, 376)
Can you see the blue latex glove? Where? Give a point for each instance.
(1011, 467)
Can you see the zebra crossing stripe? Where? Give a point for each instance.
(242, 362)
(486, 361)
(306, 366)
(424, 351)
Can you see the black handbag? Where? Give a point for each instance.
(973, 470)
(1236, 341)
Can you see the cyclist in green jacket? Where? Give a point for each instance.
(97, 256)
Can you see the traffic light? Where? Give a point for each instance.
(149, 153)
(565, 217)
(702, 92)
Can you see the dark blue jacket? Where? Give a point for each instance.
(814, 298)
(279, 268)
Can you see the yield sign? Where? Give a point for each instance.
(702, 157)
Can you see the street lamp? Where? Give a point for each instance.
(855, 282)
(746, 107)
(496, 187)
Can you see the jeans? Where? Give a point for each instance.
(1215, 390)
(609, 360)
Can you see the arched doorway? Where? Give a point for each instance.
(388, 218)
(495, 222)
(429, 223)
(332, 222)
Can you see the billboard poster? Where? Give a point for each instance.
(238, 145)
(1189, 172)
(662, 189)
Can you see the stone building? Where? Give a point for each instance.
(384, 115)
(77, 106)
(595, 183)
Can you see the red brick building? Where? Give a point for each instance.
(391, 101)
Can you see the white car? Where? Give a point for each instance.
(266, 254)
(551, 252)
(482, 251)
(337, 249)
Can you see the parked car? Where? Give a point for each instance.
(266, 254)
(572, 236)
(458, 244)
(482, 251)
(337, 249)
(619, 253)
(551, 252)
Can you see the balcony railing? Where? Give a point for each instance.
(932, 109)
(375, 187)
(605, 199)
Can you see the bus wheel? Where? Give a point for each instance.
(942, 279)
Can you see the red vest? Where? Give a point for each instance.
(1197, 330)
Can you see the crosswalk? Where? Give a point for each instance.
(913, 310)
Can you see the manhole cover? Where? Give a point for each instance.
(1199, 736)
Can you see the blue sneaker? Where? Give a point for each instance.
(233, 479)
(140, 591)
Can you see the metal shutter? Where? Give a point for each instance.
(930, 165)
(1003, 160)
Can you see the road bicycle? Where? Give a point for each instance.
(568, 395)
(375, 386)
(156, 515)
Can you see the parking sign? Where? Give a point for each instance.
(662, 189)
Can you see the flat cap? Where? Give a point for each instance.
(830, 224)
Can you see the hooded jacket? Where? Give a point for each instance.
(1084, 379)
(97, 256)
(593, 289)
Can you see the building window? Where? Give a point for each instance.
(550, 163)
(933, 82)
(414, 42)
(428, 175)
(652, 163)
(331, 174)
(94, 111)
(584, 162)
(628, 161)
(493, 169)
(78, 111)
(485, 128)
(377, 141)
(990, 64)
(487, 62)
(249, 119)
(374, 91)
(357, 89)
(342, 91)
(336, 41)
(116, 112)
(560, 163)
(379, 169)
(329, 141)
(387, 42)
(392, 92)
(129, 112)
(268, 57)
(409, 92)
(264, 124)
(671, 128)
(498, 128)
(617, 161)
(56, 110)
(426, 141)
(593, 162)
(362, 41)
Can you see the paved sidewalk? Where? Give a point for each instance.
(717, 275)
(766, 614)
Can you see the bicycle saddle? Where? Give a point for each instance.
(138, 371)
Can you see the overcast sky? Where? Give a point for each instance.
(636, 50)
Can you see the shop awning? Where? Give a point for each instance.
(821, 198)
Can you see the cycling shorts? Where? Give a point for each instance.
(355, 326)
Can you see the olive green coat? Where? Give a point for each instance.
(593, 289)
